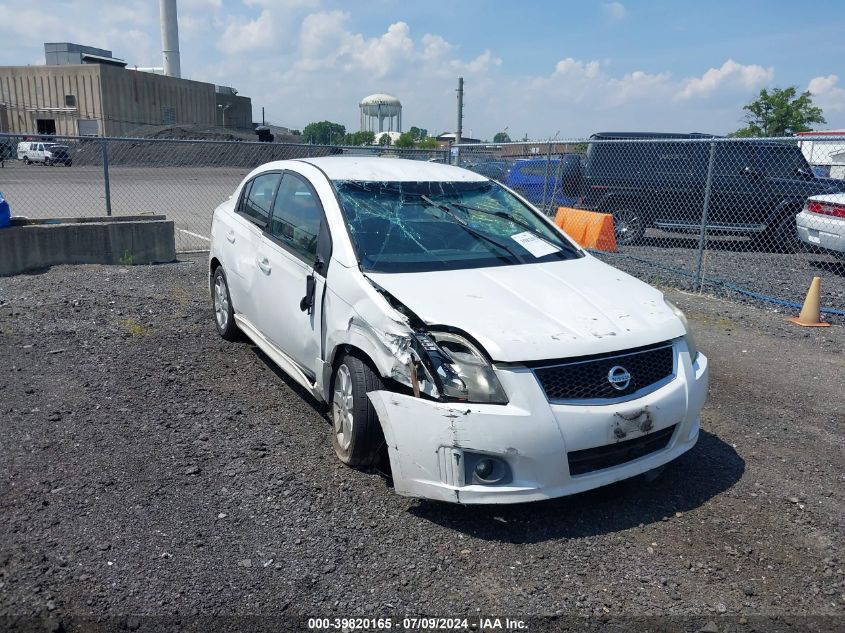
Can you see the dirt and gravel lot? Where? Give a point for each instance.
(150, 468)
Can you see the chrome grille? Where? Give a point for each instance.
(587, 378)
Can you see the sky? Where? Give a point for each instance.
(534, 68)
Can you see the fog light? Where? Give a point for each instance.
(484, 468)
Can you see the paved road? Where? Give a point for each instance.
(185, 195)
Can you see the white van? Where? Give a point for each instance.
(47, 153)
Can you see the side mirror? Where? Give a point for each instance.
(804, 174)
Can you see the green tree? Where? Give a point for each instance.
(324, 133)
(781, 112)
(429, 142)
(405, 140)
(359, 138)
(418, 133)
(384, 140)
(501, 137)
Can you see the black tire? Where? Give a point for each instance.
(224, 313)
(26, 161)
(781, 236)
(356, 439)
(629, 225)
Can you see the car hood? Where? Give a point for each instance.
(539, 311)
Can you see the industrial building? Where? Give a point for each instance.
(86, 91)
(95, 94)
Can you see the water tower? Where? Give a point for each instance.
(377, 108)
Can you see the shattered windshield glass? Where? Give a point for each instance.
(425, 226)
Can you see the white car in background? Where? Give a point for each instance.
(822, 222)
(452, 326)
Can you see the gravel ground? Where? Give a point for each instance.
(668, 258)
(150, 468)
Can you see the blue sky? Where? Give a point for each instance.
(538, 68)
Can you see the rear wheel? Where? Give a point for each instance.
(26, 161)
(628, 225)
(781, 236)
(224, 315)
(356, 432)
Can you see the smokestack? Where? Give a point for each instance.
(170, 38)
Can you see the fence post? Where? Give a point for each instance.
(546, 179)
(702, 238)
(104, 145)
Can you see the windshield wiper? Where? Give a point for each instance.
(492, 240)
(512, 220)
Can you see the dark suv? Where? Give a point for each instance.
(659, 180)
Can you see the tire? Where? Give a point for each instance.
(26, 161)
(224, 314)
(781, 236)
(628, 225)
(356, 432)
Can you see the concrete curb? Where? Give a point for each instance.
(36, 244)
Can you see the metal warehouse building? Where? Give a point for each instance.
(87, 91)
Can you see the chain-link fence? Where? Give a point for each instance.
(61, 177)
(757, 216)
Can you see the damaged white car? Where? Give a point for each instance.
(443, 317)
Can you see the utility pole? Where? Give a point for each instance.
(460, 128)
(262, 116)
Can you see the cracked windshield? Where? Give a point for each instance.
(426, 226)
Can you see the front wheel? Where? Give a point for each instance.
(628, 226)
(224, 315)
(356, 432)
(26, 161)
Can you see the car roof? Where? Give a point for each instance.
(373, 168)
(627, 135)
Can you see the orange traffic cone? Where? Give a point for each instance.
(810, 315)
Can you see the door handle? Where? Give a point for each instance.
(264, 265)
(231, 236)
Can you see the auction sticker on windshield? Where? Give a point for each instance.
(536, 246)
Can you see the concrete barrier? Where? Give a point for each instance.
(35, 244)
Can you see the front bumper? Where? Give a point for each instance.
(821, 231)
(427, 440)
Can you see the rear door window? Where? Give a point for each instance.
(258, 198)
(732, 158)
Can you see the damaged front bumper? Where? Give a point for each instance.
(546, 450)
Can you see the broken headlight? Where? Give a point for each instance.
(691, 346)
(458, 369)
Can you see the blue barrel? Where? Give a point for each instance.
(5, 212)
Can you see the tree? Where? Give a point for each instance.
(780, 113)
(429, 142)
(405, 140)
(501, 137)
(418, 133)
(360, 138)
(324, 133)
(384, 139)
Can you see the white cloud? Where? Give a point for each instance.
(730, 74)
(826, 94)
(615, 10)
(247, 36)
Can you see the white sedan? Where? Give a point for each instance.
(822, 222)
(452, 327)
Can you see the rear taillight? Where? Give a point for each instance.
(826, 208)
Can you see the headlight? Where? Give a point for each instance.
(459, 370)
(688, 337)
